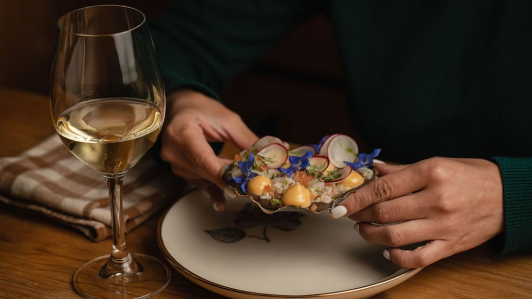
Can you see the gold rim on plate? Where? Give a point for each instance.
(391, 281)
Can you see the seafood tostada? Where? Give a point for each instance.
(313, 177)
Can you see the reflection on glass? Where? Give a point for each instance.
(108, 106)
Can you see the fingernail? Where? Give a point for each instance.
(378, 161)
(216, 207)
(338, 212)
(357, 227)
(386, 254)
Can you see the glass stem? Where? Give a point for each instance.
(120, 261)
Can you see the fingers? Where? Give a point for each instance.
(202, 157)
(218, 197)
(240, 134)
(407, 233)
(385, 169)
(229, 127)
(226, 161)
(420, 257)
(408, 207)
(188, 175)
(455, 204)
(186, 146)
(396, 235)
(193, 120)
(189, 153)
(183, 167)
(217, 194)
(392, 185)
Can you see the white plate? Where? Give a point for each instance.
(307, 256)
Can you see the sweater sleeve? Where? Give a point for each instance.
(517, 189)
(203, 44)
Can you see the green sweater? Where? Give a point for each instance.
(446, 78)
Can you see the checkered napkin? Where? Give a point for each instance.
(48, 179)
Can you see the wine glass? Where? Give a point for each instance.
(108, 106)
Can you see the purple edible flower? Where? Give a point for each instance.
(245, 167)
(318, 146)
(297, 163)
(364, 160)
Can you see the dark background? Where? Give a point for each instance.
(302, 74)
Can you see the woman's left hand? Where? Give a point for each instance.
(453, 204)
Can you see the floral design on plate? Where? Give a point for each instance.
(251, 216)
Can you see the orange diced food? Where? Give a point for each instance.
(303, 178)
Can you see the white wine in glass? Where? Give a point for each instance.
(108, 107)
(112, 134)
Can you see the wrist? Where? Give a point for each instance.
(184, 97)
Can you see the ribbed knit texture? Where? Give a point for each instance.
(422, 78)
(517, 187)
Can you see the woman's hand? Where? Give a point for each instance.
(194, 120)
(453, 204)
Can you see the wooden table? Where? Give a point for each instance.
(38, 257)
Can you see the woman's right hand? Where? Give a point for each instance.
(194, 120)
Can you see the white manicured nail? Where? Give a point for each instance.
(386, 254)
(378, 161)
(216, 208)
(357, 227)
(338, 212)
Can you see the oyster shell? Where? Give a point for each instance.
(234, 189)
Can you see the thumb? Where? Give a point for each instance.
(385, 169)
(217, 194)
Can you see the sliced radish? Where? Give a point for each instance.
(325, 145)
(302, 150)
(265, 141)
(286, 144)
(344, 173)
(273, 155)
(318, 164)
(342, 148)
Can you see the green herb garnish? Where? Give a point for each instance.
(332, 175)
(313, 170)
(265, 160)
(275, 201)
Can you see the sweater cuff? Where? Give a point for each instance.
(173, 81)
(517, 189)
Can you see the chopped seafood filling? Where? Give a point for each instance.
(311, 176)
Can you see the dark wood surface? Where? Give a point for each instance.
(38, 256)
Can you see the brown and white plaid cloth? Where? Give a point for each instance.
(48, 179)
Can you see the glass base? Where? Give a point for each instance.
(148, 282)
